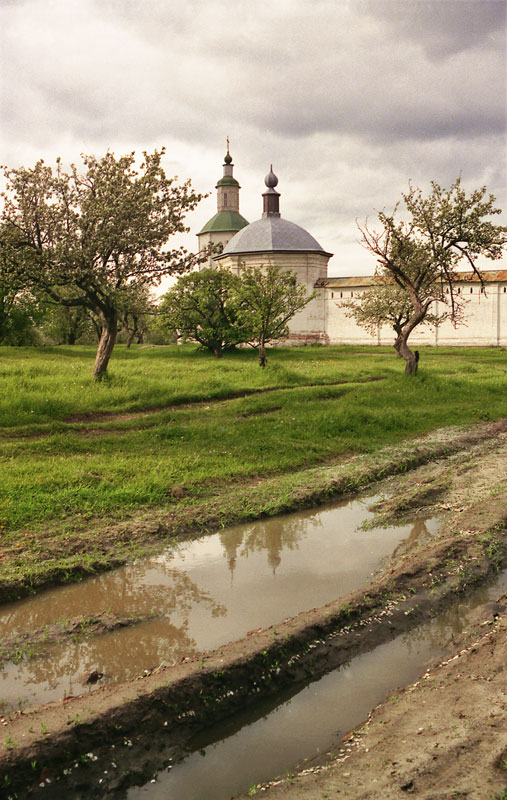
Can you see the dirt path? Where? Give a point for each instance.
(468, 487)
(446, 735)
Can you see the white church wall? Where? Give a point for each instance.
(214, 238)
(308, 325)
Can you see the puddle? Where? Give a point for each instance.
(201, 595)
(311, 723)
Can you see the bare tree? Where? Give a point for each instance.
(386, 303)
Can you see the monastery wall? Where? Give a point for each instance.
(485, 316)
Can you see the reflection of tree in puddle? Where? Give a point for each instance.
(419, 533)
(140, 589)
(443, 630)
(163, 593)
(273, 535)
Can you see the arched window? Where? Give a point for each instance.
(225, 199)
(471, 290)
(352, 294)
(341, 293)
(332, 295)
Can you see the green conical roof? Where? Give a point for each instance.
(228, 180)
(225, 221)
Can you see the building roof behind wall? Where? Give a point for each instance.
(488, 276)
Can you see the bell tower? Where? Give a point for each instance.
(227, 221)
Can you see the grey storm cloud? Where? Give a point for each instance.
(445, 27)
(341, 68)
(348, 99)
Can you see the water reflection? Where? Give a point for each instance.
(166, 596)
(419, 534)
(280, 732)
(445, 629)
(202, 594)
(269, 535)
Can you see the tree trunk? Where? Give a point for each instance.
(106, 344)
(405, 352)
(262, 354)
(218, 351)
(97, 326)
(133, 332)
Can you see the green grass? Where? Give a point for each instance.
(54, 469)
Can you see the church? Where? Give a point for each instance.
(272, 239)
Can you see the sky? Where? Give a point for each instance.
(348, 99)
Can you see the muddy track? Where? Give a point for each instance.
(143, 725)
(128, 415)
(182, 700)
(103, 418)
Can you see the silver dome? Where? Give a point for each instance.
(272, 233)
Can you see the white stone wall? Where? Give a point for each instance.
(213, 237)
(485, 319)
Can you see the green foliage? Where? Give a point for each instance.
(89, 239)
(19, 315)
(270, 296)
(137, 310)
(204, 306)
(219, 310)
(66, 324)
(18, 307)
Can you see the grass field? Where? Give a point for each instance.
(172, 424)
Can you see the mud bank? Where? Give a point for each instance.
(182, 700)
(13, 648)
(72, 741)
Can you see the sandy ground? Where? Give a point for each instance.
(446, 737)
